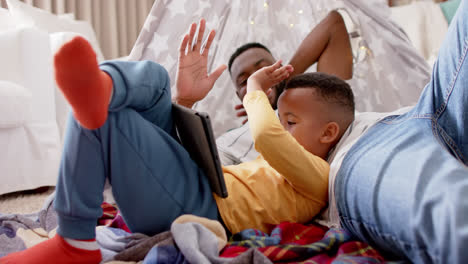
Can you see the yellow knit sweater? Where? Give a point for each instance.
(285, 183)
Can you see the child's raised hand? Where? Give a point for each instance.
(267, 77)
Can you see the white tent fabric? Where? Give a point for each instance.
(391, 75)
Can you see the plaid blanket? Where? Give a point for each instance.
(191, 242)
(111, 217)
(287, 243)
(297, 243)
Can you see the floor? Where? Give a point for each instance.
(24, 202)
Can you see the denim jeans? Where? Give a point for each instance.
(153, 177)
(403, 187)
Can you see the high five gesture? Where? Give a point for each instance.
(193, 82)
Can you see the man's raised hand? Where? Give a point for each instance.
(192, 80)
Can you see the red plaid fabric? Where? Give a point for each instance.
(111, 217)
(296, 243)
(287, 243)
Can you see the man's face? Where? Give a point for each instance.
(245, 65)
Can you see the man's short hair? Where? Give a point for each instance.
(332, 89)
(243, 48)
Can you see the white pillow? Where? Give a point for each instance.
(6, 20)
(51, 23)
(15, 106)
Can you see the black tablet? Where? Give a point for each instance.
(196, 135)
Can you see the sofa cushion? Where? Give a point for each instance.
(30, 144)
(31, 16)
(26, 60)
(7, 21)
(15, 106)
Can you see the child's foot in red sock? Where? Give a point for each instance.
(55, 250)
(84, 85)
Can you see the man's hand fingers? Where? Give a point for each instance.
(241, 113)
(193, 28)
(183, 45)
(206, 49)
(239, 106)
(215, 75)
(201, 32)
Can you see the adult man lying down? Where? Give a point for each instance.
(327, 44)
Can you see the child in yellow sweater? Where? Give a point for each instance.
(121, 130)
(289, 181)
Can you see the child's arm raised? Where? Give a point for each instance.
(267, 77)
(307, 173)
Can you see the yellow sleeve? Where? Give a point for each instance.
(307, 173)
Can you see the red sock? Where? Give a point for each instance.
(84, 85)
(54, 250)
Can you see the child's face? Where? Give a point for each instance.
(303, 114)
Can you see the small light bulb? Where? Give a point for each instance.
(265, 5)
(300, 11)
(252, 22)
(291, 25)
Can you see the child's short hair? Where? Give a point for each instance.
(332, 89)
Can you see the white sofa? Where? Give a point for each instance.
(29, 135)
(33, 112)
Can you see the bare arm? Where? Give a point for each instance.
(328, 45)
